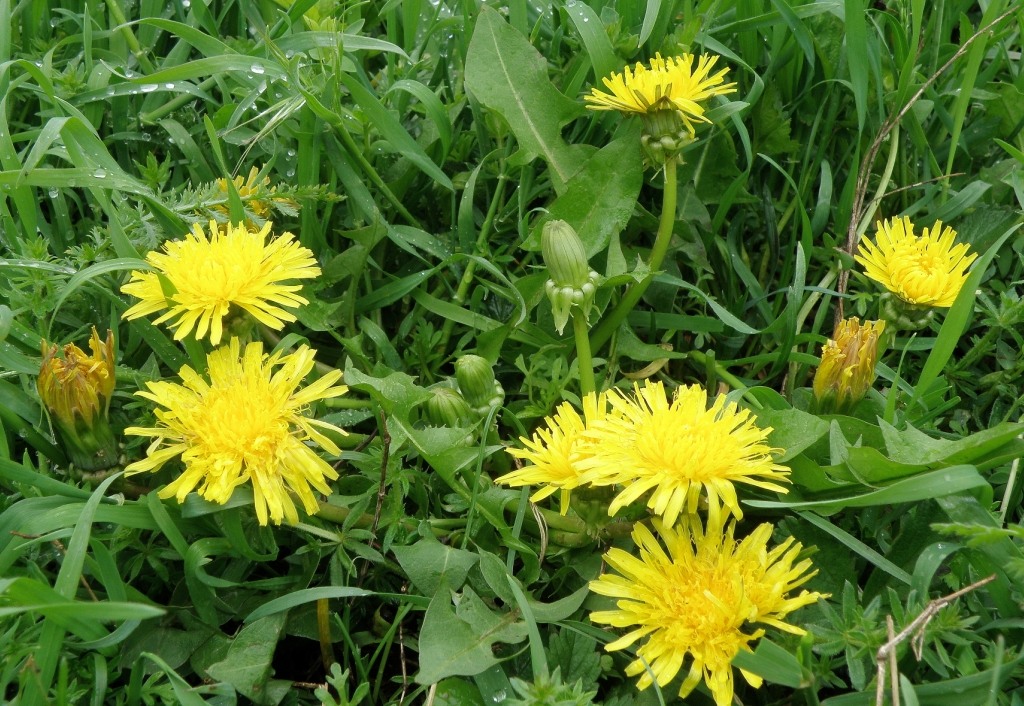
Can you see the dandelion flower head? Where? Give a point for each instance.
(556, 450)
(679, 449)
(699, 600)
(246, 425)
(669, 84)
(207, 274)
(925, 270)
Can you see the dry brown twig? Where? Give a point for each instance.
(886, 655)
(859, 210)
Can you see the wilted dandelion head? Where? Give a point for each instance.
(77, 387)
(847, 368)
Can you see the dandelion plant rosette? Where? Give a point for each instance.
(197, 280)
(699, 600)
(247, 424)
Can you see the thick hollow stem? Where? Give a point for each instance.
(611, 323)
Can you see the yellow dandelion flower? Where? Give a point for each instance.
(671, 84)
(679, 449)
(249, 188)
(698, 599)
(925, 270)
(847, 368)
(76, 391)
(556, 451)
(207, 274)
(245, 425)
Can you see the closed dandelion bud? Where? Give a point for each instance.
(447, 408)
(477, 384)
(572, 282)
(847, 368)
(76, 391)
(564, 254)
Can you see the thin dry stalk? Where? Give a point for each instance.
(886, 655)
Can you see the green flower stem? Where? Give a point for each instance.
(734, 382)
(174, 104)
(563, 531)
(583, 356)
(481, 241)
(348, 403)
(117, 14)
(338, 515)
(610, 324)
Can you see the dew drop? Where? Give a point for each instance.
(498, 696)
(100, 173)
(169, 86)
(257, 69)
(149, 87)
(53, 192)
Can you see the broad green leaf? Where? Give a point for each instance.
(793, 430)
(246, 666)
(506, 74)
(428, 564)
(915, 447)
(600, 197)
(459, 643)
(925, 486)
(774, 664)
(457, 692)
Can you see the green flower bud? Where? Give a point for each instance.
(447, 408)
(564, 255)
(477, 384)
(572, 281)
